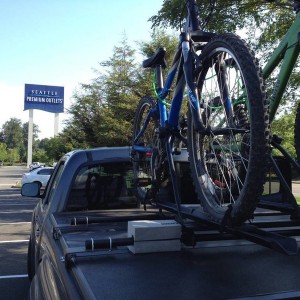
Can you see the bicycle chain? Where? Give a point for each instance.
(161, 173)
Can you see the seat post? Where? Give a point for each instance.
(159, 77)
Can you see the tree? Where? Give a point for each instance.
(35, 132)
(262, 23)
(284, 127)
(3, 152)
(41, 156)
(15, 135)
(121, 94)
(103, 111)
(228, 15)
(55, 148)
(13, 155)
(12, 133)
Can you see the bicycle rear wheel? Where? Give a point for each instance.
(228, 168)
(142, 170)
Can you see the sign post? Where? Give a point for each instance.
(56, 121)
(30, 138)
(44, 97)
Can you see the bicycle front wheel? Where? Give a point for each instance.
(228, 166)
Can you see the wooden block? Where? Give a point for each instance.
(154, 230)
(154, 236)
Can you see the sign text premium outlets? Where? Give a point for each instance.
(44, 97)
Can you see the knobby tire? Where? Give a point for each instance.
(228, 171)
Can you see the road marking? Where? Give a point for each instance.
(16, 212)
(14, 241)
(10, 201)
(13, 276)
(15, 223)
(16, 204)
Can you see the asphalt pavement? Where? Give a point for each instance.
(15, 219)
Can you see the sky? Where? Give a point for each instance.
(59, 43)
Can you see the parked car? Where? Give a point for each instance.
(40, 175)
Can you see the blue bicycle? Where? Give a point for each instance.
(225, 129)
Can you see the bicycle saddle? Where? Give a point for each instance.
(158, 58)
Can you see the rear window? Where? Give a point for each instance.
(103, 186)
(45, 172)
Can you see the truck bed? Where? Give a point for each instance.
(220, 266)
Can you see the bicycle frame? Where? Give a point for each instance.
(287, 52)
(181, 64)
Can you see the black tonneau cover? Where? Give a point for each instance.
(216, 268)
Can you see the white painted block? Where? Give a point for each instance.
(154, 236)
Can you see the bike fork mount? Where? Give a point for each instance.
(281, 197)
(198, 227)
(274, 223)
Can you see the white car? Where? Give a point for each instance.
(40, 175)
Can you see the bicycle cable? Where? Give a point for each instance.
(155, 91)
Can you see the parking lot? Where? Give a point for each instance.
(15, 217)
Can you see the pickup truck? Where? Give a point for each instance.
(92, 238)
(80, 221)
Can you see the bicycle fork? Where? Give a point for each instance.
(220, 68)
(166, 136)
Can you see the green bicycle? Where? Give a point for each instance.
(285, 54)
(213, 151)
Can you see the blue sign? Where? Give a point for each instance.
(44, 97)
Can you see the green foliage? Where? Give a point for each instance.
(55, 148)
(224, 16)
(14, 136)
(13, 155)
(261, 23)
(160, 38)
(102, 112)
(284, 127)
(3, 152)
(41, 156)
(12, 133)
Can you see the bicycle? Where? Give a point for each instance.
(227, 123)
(282, 61)
(286, 53)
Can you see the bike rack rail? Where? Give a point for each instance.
(274, 234)
(201, 228)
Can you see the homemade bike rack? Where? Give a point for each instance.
(274, 224)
